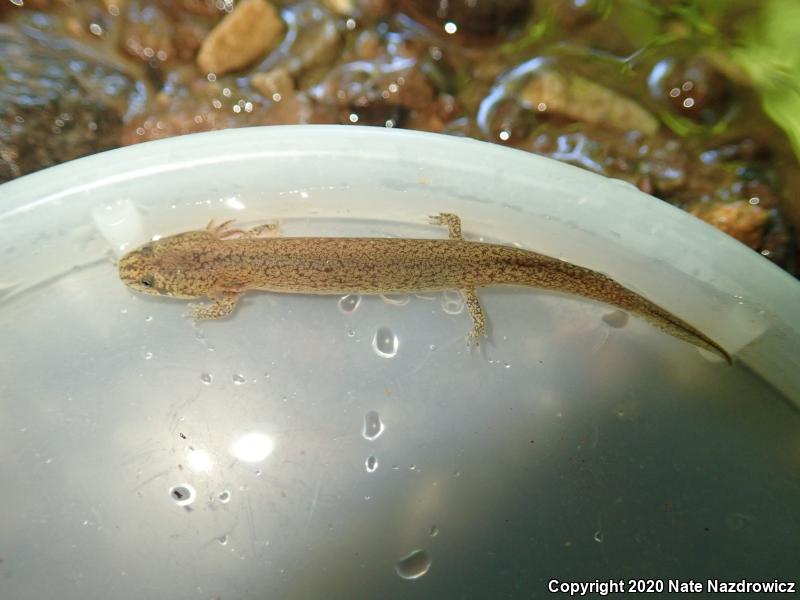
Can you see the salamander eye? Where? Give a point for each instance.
(147, 281)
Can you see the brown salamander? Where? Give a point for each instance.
(222, 263)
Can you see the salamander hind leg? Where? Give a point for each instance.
(221, 306)
(453, 223)
(478, 317)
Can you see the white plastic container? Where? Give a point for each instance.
(309, 446)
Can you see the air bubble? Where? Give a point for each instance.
(617, 319)
(385, 343)
(239, 379)
(206, 378)
(349, 303)
(434, 531)
(373, 426)
(224, 496)
(183, 494)
(223, 540)
(414, 565)
(371, 464)
(598, 536)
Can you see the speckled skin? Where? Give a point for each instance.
(205, 263)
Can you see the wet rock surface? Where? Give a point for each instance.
(568, 79)
(247, 33)
(480, 18)
(59, 100)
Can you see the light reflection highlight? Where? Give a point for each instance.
(198, 461)
(252, 447)
(234, 203)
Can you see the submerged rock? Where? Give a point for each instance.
(59, 100)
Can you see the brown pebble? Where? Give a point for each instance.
(252, 29)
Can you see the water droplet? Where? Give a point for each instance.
(414, 565)
(349, 303)
(183, 494)
(434, 531)
(224, 496)
(452, 302)
(206, 378)
(432, 347)
(396, 299)
(148, 318)
(373, 426)
(123, 311)
(239, 379)
(457, 474)
(350, 333)
(598, 536)
(148, 355)
(738, 521)
(412, 467)
(223, 540)
(385, 343)
(371, 464)
(617, 319)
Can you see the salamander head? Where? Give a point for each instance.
(169, 266)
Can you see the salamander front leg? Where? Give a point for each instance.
(453, 223)
(224, 230)
(478, 316)
(221, 306)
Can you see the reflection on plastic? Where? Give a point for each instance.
(198, 461)
(252, 447)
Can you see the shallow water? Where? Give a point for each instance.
(275, 454)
